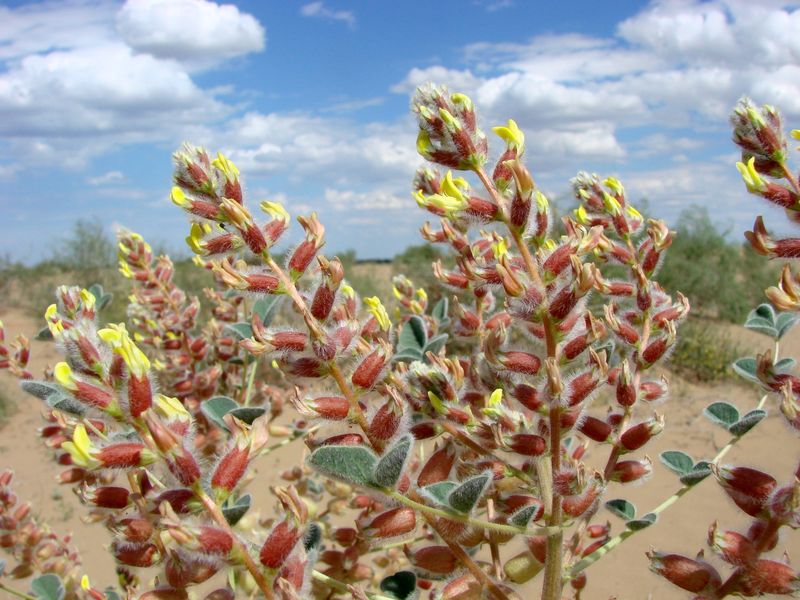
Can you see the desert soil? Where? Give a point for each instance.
(622, 574)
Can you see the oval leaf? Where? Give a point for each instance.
(240, 331)
(722, 413)
(676, 461)
(390, 466)
(523, 516)
(785, 322)
(408, 355)
(622, 508)
(235, 511)
(437, 492)
(747, 422)
(764, 311)
(762, 325)
(40, 389)
(266, 307)
(47, 587)
(785, 364)
(699, 472)
(217, 407)
(353, 464)
(413, 335)
(440, 309)
(436, 343)
(746, 368)
(464, 497)
(248, 414)
(643, 523)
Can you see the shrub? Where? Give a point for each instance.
(703, 352)
(456, 449)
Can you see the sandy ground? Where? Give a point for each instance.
(623, 573)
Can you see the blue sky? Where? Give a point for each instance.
(311, 100)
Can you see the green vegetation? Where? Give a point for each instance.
(704, 353)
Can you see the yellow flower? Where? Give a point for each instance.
(512, 135)
(55, 325)
(226, 166)
(377, 310)
(63, 374)
(275, 210)
(81, 448)
(171, 408)
(751, 177)
(116, 336)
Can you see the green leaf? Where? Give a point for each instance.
(699, 472)
(44, 335)
(761, 325)
(622, 508)
(413, 335)
(402, 585)
(66, 404)
(353, 464)
(111, 594)
(523, 516)
(466, 494)
(438, 492)
(722, 413)
(41, 389)
(440, 309)
(234, 511)
(746, 368)
(785, 364)
(643, 523)
(47, 587)
(436, 343)
(390, 466)
(266, 307)
(408, 355)
(241, 330)
(747, 422)
(676, 461)
(248, 414)
(785, 322)
(217, 407)
(765, 311)
(96, 290)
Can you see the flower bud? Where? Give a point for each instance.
(527, 444)
(369, 369)
(107, 497)
(438, 560)
(230, 470)
(521, 362)
(769, 577)
(732, 546)
(595, 429)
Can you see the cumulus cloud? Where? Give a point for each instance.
(191, 31)
(319, 10)
(106, 178)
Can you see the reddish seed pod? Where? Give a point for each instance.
(289, 340)
(334, 408)
(385, 422)
(521, 362)
(265, 284)
(732, 546)
(769, 577)
(125, 455)
(230, 469)
(528, 444)
(688, 574)
(627, 471)
(424, 430)
(638, 435)
(597, 531)
(178, 498)
(322, 303)
(279, 544)
(109, 497)
(136, 530)
(215, 541)
(434, 559)
(464, 587)
(528, 396)
(581, 387)
(346, 536)
(135, 555)
(140, 395)
(595, 429)
(748, 488)
(368, 370)
(391, 523)
(438, 467)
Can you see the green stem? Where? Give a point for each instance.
(462, 518)
(288, 440)
(16, 593)
(592, 558)
(250, 379)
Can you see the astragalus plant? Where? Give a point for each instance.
(469, 449)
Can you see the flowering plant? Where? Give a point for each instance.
(436, 435)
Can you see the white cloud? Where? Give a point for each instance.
(106, 178)
(191, 31)
(319, 10)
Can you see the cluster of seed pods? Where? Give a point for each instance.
(770, 505)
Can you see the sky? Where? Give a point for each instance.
(311, 101)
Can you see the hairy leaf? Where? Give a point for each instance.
(234, 511)
(676, 461)
(466, 494)
(413, 335)
(722, 413)
(353, 464)
(390, 466)
(747, 422)
(217, 407)
(622, 508)
(47, 587)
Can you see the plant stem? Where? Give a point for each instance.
(462, 518)
(288, 440)
(592, 558)
(16, 593)
(465, 560)
(250, 564)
